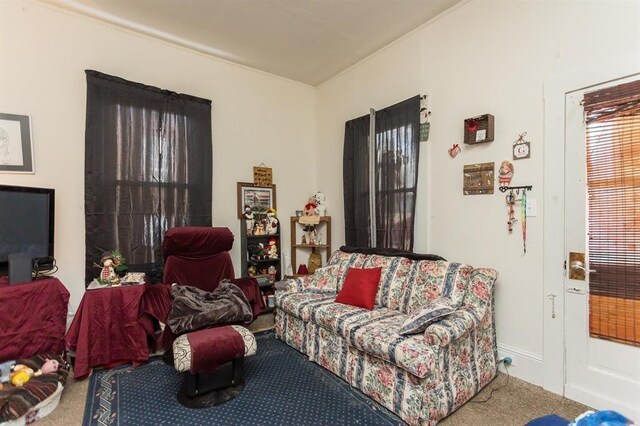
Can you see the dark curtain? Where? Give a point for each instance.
(397, 150)
(148, 167)
(356, 182)
(396, 160)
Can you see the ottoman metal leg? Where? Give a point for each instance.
(202, 390)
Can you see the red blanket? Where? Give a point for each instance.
(33, 318)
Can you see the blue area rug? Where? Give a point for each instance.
(282, 388)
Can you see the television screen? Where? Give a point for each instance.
(26, 222)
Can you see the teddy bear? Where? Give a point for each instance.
(321, 207)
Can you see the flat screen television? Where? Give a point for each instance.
(26, 225)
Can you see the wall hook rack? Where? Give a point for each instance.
(511, 188)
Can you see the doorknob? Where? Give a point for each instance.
(577, 269)
(576, 264)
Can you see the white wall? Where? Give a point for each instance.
(256, 117)
(485, 56)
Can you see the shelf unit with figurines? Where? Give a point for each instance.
(316, 237)
(261, 251)
(314, 227)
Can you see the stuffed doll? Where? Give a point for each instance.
(310, 208)
(272, 222)
(273, 248)
(321, 207)
(107, 274)
(248, 215)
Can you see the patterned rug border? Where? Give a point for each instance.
(103, 392)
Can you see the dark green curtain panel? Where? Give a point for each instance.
(148, 167)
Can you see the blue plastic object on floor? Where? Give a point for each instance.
(549, 420)
(601, 418)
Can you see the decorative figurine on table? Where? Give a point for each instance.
(107, 273)
(321, 206)
(272, 274)
(259, 228)
(310, 208)
(273, 248)
(248, 215)
(262, 252)
(505, 173)
(313, 236)
(272, 222)
(112, 264)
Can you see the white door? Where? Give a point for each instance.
(599, 373)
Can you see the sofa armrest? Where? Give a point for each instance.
(324, 280)
(451, 328)
(293, 285)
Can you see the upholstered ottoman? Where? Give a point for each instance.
(212, 361)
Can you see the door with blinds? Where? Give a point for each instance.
(602, 233)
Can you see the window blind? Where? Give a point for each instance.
(612, 117)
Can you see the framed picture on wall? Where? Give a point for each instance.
(257, 197)
(16, 152)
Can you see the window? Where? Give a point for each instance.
(392, 171)
(148, 167)
(613, 183)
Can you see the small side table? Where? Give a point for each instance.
(107, 329)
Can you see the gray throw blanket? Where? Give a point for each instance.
(194, 309)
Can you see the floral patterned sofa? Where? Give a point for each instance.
(421, 377)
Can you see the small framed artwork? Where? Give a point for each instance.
(257, 197)
(16, 152)
(478, 179)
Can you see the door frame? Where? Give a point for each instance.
(555, 90)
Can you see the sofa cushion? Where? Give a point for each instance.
(375, 333)
(394, 277)
(300, 304)
(428, 314)
(360, 288)
(431, 280)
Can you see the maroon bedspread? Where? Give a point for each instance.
(33, 318)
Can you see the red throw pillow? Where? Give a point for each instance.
(360, 287)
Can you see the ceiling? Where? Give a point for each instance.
(305, 40)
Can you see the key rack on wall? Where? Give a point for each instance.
(516, 188)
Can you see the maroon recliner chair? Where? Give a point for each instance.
(199, 257)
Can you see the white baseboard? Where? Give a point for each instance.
(526, 365)
(601, 402)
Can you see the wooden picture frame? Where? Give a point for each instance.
(478, 178)
(260, 198)
(16, 151)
